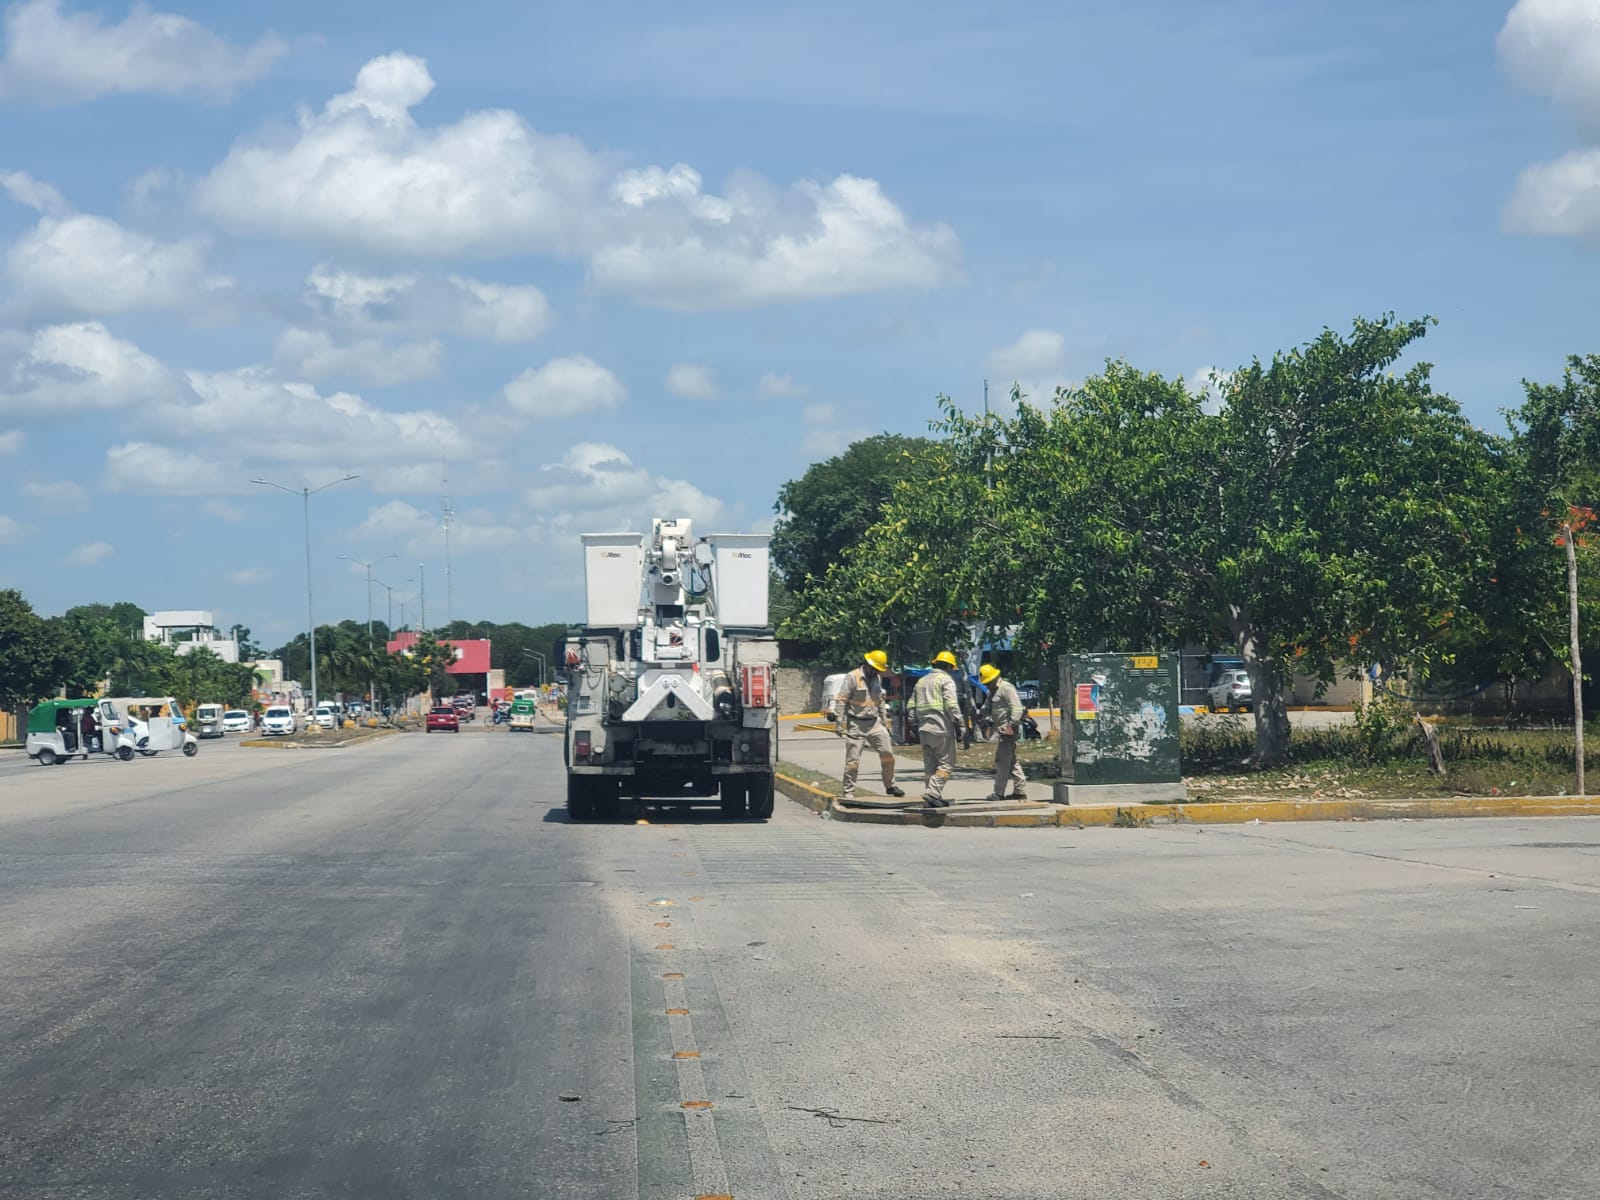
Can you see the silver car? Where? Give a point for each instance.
(1232, 690)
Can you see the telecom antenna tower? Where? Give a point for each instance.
(449, 577)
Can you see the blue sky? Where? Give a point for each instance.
(622, 260)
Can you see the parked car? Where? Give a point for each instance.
(1232, 690)
(1029, 692)
(326, 716)
(443, 716)
(278, 721)
(236, 720)
(465, 708)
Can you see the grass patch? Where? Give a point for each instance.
(830, 784)
(1378, 761)
(1369, 757)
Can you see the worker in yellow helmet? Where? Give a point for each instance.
(938, 726)
(857, 713)
(1006, 711)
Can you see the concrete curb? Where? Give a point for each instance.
(1231, 812)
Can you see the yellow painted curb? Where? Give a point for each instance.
(803, 793)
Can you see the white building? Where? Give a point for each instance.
(187, 629)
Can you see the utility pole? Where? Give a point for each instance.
(422, 600)
(305, 494)
(1569, 538)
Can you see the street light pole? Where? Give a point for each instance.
(305, 494)
(422, 619)
(372, 684)
(542, 664)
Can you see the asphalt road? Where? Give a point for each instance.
(396, 971)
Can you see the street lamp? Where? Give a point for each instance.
(389, 592)
(372, 684)
(542, 663)
(305, 495)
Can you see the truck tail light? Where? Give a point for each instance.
(582, 747)
(755, 686)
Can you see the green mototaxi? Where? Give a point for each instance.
(56, 734)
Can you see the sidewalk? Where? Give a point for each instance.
(823, 752)
(968, 790)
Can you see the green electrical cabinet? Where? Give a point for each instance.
(1119, 728)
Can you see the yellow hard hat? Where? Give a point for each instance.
(988, 673)
(944, 659)
(876, 659)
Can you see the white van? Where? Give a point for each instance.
(209, 719)
(279, 720)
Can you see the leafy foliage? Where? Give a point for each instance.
(1331, 512)
(832, 505)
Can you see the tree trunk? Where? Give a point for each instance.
(1268, 703)
(1570, 539)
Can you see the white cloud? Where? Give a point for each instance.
(145, 468)
(420, 532)
(88, 554)
(773, 386)
(1210, 384)
(818, 414)
(1552, 47)
(1035, 352)
(11, 442)
(826, 442)
(258, 418)
(314, 354)
(1558, 198)
(69, 369)
(248, 576)
(55, 496)
(12, 531)
(498, 312)
(93, 266)
(493, 312)
(564, 387)
(363, 173)
(34, 193)
(52, 57)
(691, 381)
(689, 251)
(1035, 363)
(596, 486)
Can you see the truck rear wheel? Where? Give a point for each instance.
(760, 797)
(733, 792)
(580, 799)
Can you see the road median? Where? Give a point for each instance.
(811, 794)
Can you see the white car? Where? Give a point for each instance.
(326, 716)
(236, 720)
(1232, 690)
(279, 720)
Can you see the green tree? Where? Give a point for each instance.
(32, 666)
(1329, 515)
(832, 505)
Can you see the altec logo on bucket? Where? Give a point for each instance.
(743, 554)
(610, 554)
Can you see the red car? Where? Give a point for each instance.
(444, 717)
